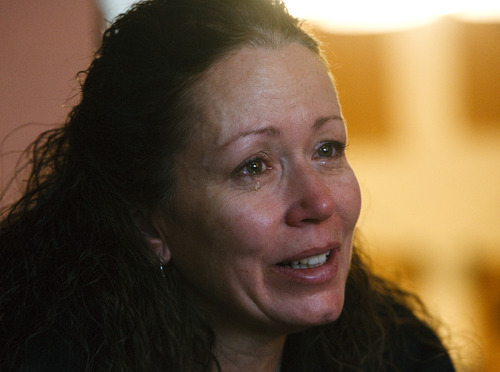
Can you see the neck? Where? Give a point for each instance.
(236, 354)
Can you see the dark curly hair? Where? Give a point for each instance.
(73, 264)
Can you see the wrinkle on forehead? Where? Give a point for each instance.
(235, 69)
(252, 80)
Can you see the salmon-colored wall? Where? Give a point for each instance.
(43, 44)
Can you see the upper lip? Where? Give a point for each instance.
(311, 252)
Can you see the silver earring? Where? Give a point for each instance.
(161, 268)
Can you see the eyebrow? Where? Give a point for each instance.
(318, 123)
(273, 131)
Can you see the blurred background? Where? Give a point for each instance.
(420, 90)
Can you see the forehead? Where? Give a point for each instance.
(257, 87)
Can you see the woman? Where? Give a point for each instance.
(197, 212)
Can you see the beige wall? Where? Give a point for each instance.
(423, 112)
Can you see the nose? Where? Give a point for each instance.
(311, 197)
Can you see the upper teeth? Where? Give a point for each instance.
(309, 262)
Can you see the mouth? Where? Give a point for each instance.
(308, 262)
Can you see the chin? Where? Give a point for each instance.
(305, 317)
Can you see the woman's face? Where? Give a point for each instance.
(266, 201)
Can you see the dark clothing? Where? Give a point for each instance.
(50, 352)
(414, 356)
(409, 347)
(53, 350)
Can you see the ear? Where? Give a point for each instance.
(153, 234)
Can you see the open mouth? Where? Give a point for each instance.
(309, 262)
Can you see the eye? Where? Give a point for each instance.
(326, 150)
(331, 149)
(254, 166)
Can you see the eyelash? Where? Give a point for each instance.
(263, 160)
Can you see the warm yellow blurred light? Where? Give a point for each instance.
(365, 15)
(387, 15)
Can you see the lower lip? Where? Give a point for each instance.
(314, 275)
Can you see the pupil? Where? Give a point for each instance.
(254, 167)
(325, 150)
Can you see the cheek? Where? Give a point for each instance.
(356, 203)
(232, 233)
(227, 224)
(249, 221)
(348, 202)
